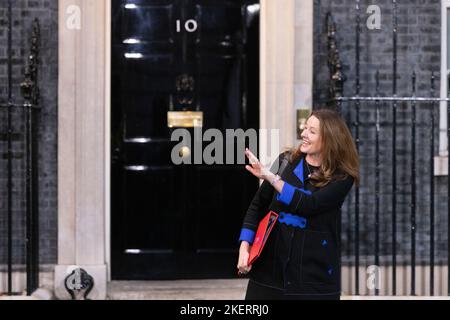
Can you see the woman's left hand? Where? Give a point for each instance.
(255, 167)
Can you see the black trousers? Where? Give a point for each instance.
(257, 291)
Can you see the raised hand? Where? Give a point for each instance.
(255, 167)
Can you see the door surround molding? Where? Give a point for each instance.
(83, 141)
(277, 72)
(84, 125)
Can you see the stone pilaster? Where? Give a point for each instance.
(277, 71)
(82, 152)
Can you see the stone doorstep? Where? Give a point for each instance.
(178, 290)
(174, 296)
(39, 294)
(395, 298)
(179, 284)
(208, 290)
(13, 298)
(233, 289)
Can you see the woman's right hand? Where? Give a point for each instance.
(244, 254)
(256, 168)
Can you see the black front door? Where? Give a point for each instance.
(179, 221)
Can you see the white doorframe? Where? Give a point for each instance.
(443, 144)
(108, 21)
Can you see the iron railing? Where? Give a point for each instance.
(377, 102)
(29, 108)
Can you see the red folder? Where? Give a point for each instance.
(264, 229)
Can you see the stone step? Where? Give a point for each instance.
(39, 294)
(233, 289)
(13, 298)
(208, 290)
(394, 298)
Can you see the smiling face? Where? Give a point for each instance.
(311, 144)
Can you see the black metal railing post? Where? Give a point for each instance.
(357, 105)
(432, 92)
(9, 150)
(377, 176)
(394, 155)
(31, 94)
(413, 188)
(337, 77)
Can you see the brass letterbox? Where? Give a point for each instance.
(185, 119)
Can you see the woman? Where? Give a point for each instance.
(301, 259)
